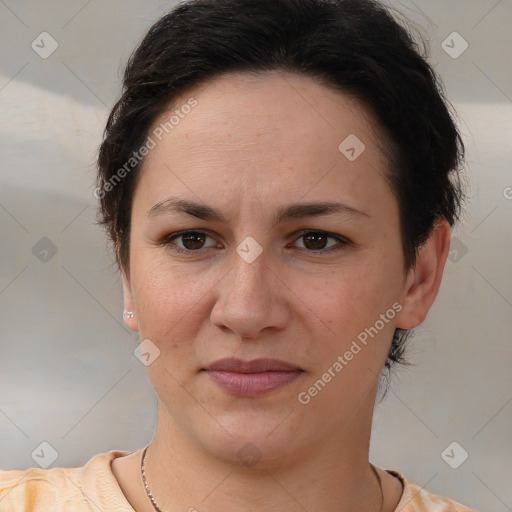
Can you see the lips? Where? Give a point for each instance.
(251, 378)
(254, 366)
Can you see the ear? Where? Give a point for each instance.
(424, 279)
(131, 322)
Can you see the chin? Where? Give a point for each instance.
(255, 440)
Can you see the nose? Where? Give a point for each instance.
(252, 299)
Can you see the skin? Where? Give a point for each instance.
(251, 145)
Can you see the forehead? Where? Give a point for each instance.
(258, 132)
(269, 103)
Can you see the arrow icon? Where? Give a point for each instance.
(44, 45)
(457, 250)
(249, 249)
(44, 250)
(454, 45)
(249, 454)
(44, 454)
(351, 147)
(454, 455)
(146, 352)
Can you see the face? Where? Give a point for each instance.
(256, 235)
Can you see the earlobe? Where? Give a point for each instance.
(424, 279)
(129, 315)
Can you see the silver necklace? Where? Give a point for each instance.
(158, 509)
(143, 475)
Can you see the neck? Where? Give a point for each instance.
(332, 475)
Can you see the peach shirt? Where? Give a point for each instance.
(93, 487)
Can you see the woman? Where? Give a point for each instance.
(278, 179)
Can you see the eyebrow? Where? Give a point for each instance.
(292, 211)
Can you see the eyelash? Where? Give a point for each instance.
(168, 241)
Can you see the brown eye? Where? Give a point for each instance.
(189, 241)
(315, 241)
(193, 241)
(318, 241)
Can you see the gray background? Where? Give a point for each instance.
(68, 375)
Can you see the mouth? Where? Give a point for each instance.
(251, 378)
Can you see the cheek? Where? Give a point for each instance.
(350, 305)
(348, 350)
(168, 298)
(349, 299)
(170, 309)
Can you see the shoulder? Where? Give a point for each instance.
(37, 489)
(416, 499)
(76, 488)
